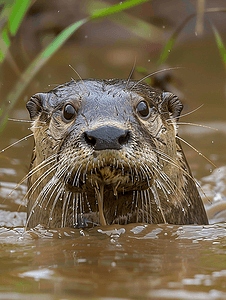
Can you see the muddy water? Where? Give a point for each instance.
(114, 262)
(136, 261)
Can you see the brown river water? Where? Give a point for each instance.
(135, 261)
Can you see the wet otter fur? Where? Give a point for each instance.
(106, 152)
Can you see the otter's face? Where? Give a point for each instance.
(112, 134)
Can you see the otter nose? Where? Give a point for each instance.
(107, 137)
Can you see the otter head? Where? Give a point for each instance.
(97, 144)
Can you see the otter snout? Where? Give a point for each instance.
(107, 137)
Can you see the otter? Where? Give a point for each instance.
(108, 152)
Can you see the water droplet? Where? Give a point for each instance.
(163, 26)
(113, 264)
(149, 60)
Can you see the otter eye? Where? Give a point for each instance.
(69, 112)
(143, 109)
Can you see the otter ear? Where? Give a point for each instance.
(174, 105)
(35, 105)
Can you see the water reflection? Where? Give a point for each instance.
(128, 262)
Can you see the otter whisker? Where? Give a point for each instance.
(61, 188)
(173, 188)
(146, 204)
(53, 182)
(76, 177)
(152, 74)
(162, 175)
(157, 200)
(190, 112)
(40, 198)
(87, 167)
(159, 171)
(81, 208)
(44, 175)
(74, 210)
(88, 204)
(145, 175)
(17, 142)
(192, 147)
(38, 181)
(131, 73)
(149, 202)
(169, 160)
(79, 77)
(142, 205)
(30, 173)
(49, 200)
(194, 124)
(166, 181)
(136, 206)
(133, 201)
(24, 121)
(65, 202)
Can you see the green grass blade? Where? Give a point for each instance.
(4, 44)
(137, 26)
(4, 38)
(170, 43)
(104, 12)
(20, 8)
(220, 45)
(167, 49)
